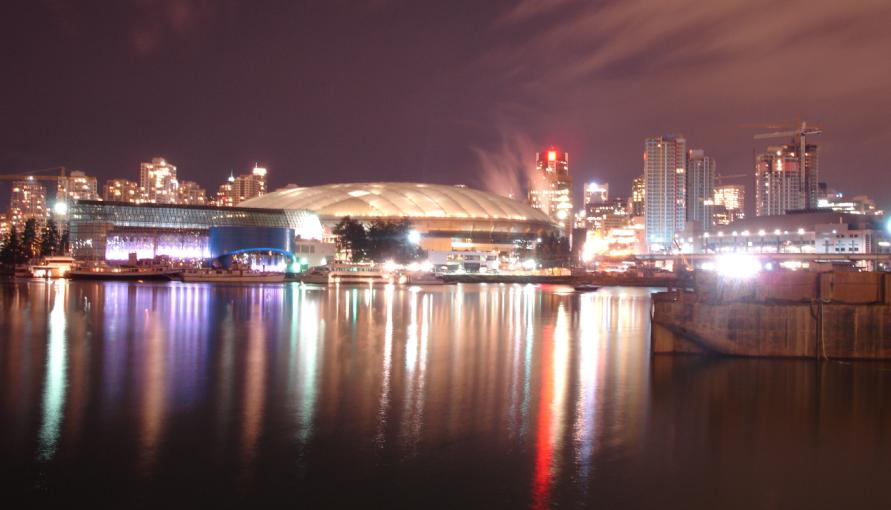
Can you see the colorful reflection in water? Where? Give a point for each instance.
(504, 396)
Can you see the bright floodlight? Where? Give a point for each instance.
(529, 264)
(737, 266)
(414, 237)
(61, 208)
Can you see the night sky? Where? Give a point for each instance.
(441, 91)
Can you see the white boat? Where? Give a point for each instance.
(53, 267)
(318, 275)
(231, 276)
(367, 274)
(131, 273)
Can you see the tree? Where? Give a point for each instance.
(30, 240)
(553, 251)
(352, 239)
(389, 240)
(64, 242)
(11, 253)
(49, 239)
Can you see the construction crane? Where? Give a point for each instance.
(30, 176)
(801, 133)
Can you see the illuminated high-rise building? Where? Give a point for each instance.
(226, 193)
(638, 197)
(28, 201)
(121, 190)
(786, 180)
(250, 185)
(606, 215)
(550, 187)
(241, 188)
(729, 202)
(665, 167)
(158, 183)
(700, 189)
(5, 226)
(595, 193)
(191, 193)
(77, 186)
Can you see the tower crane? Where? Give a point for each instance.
(30, 176)
(801, 134)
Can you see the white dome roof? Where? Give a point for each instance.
(398, 199)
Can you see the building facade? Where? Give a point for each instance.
(158, 183)
(595, 193)
(122, 190)
(446, 218)
(251, 185)
(823, 232)
(77, 186)
(729, 200)
(786, 179)
(550, 188)
(638, 197)
(700, 189)
(665, 167)
(191, 193)
(28, 201)
(112, 231)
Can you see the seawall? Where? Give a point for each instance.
(835, 315)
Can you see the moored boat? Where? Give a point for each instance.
(124, 273)
(368, 274)
(231, 276)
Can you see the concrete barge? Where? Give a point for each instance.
(834, 315)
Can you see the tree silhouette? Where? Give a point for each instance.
(49, 239)
(30, 240)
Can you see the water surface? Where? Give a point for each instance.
(467, 396)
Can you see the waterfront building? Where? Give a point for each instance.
(28, 201)
(122, 190)
(729, 200)
(786, 179)
(118, 231)
(800, 232)
(550, 188)
(638, 196)
(191, 193)
(700, 189)
(665, 166)
(158, 183)
(446, 218)
(859, 204)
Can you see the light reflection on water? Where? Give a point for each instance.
(454, 396)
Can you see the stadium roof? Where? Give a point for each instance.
(398, 199)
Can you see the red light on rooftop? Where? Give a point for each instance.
(552, 155)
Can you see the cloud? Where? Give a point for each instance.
(671, 65)
(157, 24)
